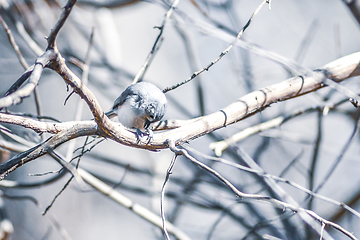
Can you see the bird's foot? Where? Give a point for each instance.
(140, 135)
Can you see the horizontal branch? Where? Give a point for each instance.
(187, 130)
(247, 105)
(40, 126)
(244, 107)
(256, 101)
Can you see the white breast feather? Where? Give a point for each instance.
(128, 118)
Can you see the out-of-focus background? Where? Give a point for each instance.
(302, 150)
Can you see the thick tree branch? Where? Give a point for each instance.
(256, 101)
(186, 130)
(40, 126)
(244, 107)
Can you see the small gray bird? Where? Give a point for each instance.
(138, 106)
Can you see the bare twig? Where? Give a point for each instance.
(141, 72)
(67, 166)
(22, 61)
(220, 146)
(42, 117)
(342, 152)
(28, 39)
(261, 173)
(38, 126)
(240, 194)
(226, 34)
(315, 157)
(14, 44)
(57, 195)
(304, 213)
(193, 64)
(223, 53)
(15, 184)
(64, 15)
(162, 199)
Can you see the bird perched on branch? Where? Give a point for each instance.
(138, 106)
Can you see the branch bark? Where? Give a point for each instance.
(244, 107)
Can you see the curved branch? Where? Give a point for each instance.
(187, 130)
(244, 107)
(39, 126)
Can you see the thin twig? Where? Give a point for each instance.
(67, 166)
(142, 70)
(223, 53)
(304, 213)
(305, 43)
(193, 64)
(57, 195)
(14, 44)
(20, 81)
(64, 15)
(315, 158)
(322, 230)
(342, 153)
(261, 173)
(68, 182)
(22, 61)
(162, 199)
(240, 194)
(43, 117)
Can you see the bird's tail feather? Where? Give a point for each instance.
(111, 113)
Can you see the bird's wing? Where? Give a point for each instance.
(121, 99)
